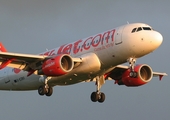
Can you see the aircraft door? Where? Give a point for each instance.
(118, 38)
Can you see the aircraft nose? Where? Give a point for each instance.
(158, 38)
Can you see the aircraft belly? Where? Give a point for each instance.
(18, 81)
(22, 82)
(108, 59)
(88, 69)
(85, 71)
(68, 80)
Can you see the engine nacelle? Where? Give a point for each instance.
(59, 65)
(144, 75)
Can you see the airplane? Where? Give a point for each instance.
(97, 58)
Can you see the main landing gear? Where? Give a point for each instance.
(132, 62)
(98, 96)
(45, 89)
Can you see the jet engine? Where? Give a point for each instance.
(56, 66)
(143, 75)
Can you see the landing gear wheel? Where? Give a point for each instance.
(94, 97)
(101, 98)
(41, 90)
(50, 91)
(133, 74)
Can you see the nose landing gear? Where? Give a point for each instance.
(132, 62)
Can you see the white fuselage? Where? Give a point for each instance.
(112, 47)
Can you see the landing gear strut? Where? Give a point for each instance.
(132, 62)
(98, 96)
(45, 89)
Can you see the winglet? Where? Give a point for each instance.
(2, 48)
(160, 75)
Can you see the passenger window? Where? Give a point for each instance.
(139, 29)
(134, 30)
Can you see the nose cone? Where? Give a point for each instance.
(158, 38)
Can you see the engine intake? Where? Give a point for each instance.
(56, 66)
(144, 75)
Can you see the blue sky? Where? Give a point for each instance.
(34, 25)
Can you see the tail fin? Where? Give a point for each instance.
(2, 48)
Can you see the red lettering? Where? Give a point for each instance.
(60, 49)
(67, 49)
(106, 36)
(76, 45)
(46, 53)
(86, 47)
(51, 52)
(96, 39)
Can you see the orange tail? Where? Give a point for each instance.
(2, 48)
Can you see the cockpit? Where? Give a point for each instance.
(141, 28)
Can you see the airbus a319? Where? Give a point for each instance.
(96, 58)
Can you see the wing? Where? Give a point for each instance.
(21, 61)
(27, 62)
(17, 60)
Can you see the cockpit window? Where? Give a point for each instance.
(139, 29)
(147, 28)
(134, 30)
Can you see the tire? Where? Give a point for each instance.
(94, 97)
(50, 91)
(133, 74)
(41, 90)
(102, 98)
